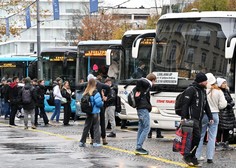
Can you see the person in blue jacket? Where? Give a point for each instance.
(94, 118)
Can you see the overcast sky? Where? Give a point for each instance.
(134, 3)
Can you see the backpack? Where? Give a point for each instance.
(179, 102)
(131, 98)
(26, 95)
(86, 104)
(51, 98)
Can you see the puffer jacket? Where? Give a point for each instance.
(97, 102)
(226, 115)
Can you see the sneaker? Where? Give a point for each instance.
(201, 159)
(33, 127)
(195, 161)
(97, 145)
(123, 127)
(113, 135)
(149, 136)
(141, 151)
(26, 127)
(209, 161)
(226, 146)
(81, 144)
(188, 160)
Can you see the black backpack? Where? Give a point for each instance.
(179, 102)
(51, 98)
(86, 105)
(131, 98)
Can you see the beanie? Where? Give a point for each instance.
(220, 81)
(90, 76)
(200, 77)
(210, 78)
(95, 67)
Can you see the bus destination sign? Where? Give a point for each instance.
(95, 53)
(7, 65)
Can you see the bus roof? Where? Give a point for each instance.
(206, 14)
(137, 32)
(100, 42)
(18, 58)
(61, 49)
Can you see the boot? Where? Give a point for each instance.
(104, 141)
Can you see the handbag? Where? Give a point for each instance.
(182, 142)
(63, 100)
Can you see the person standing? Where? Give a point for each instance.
(140, 72)
(194, 105)
(28, 97)
(216, 100)
(109, 105)
(6, 104)
(57, 99)
(40, 102)
(100, 86)
(13, 99)
(226, 117)
(92, 120)
(66, 93)
(142, 99)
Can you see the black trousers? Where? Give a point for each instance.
(42, 114)
(102, 124)
(67, 113)
(13, 112)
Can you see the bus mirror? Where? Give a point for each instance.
(135, 48)
(108, 57)
(230, 47)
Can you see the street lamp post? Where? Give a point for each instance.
(40, 64)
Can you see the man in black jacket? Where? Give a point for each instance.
(142, 99)
(13, 99)
(194, 105)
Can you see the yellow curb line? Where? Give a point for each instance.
(106, 146)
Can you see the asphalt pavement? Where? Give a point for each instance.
(58, 146)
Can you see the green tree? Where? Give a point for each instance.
(152, 21)
(213, 5)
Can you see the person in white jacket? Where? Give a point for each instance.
(57, 99)
(216, 101)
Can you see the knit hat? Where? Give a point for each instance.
(95, 67)
(90, 76)
(220, 81)
(200, 77)
(210, 78)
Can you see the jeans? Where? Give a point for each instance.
(143, 127)
(57, 111)
(212, 132)
(6, 109)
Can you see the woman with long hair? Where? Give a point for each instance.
(66, 93)
(92, 119)
(216, 100)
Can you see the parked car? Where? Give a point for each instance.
(50, 108)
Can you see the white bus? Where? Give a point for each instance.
(90, 53)
(185, 44)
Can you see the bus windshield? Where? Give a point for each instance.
(59, 62)
(92, 59)
(186, 47)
